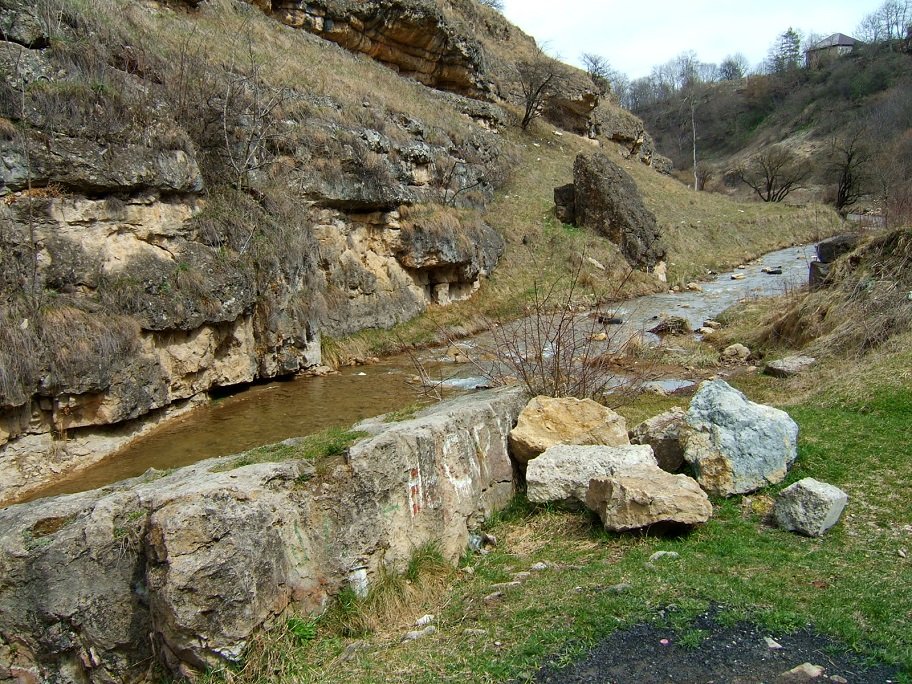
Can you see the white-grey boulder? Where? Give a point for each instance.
(809, 507)
(735, 445)
(563, 472)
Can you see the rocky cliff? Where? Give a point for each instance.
(191, 193)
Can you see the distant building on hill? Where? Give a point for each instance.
(829, 48)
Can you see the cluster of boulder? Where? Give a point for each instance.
(180, 570)
(579, 452)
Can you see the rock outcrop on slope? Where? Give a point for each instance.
(604, 198)
(180, 569)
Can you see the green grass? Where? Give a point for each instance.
(850, 584)
(325, 444)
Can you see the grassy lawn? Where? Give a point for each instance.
(852, 584)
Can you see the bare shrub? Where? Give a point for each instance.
(560, 348)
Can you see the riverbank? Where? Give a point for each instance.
(580, 585)
(270, 413)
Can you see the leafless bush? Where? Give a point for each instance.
(560, 348)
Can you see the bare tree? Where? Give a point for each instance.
(774, 173)
(888, 22)
(599, 70)
(848, 161)
(734, 67)
(537, 77)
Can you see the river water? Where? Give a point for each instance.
(270, 413)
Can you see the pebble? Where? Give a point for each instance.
(475, 632)
(671, 555)
(424, 620)
(539, 567)
(496, 596)
(521, 576)
(420, 633)
(353, 649)
(620, 588)
(503, 586)
(805, 672)
(772, 644)
(838, 679)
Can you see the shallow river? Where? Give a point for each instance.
(269, 413)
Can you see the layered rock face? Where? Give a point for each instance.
(409, 36)
(155, 248)
(181, 569)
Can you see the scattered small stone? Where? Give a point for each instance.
(491, 598)
(803, 673)
(504, 586)
(664, 642)
(420, 633)
(772, 644)
(469, 570)
(706, 331)
(709, 323)
(599, 337)
(658, 555)
(353, 649)
(694, 287)
(838, 680)
(736, 352)
(424, 620)
(738, 276)
(539, 567)
(475, 632)
(903, 553)
(521, 576)
(622, 588)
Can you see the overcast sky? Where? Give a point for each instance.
(635, 35)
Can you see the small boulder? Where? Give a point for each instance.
(642, 496)
(663, 434)
(672, 325)
(546, 421)
(805, 672)
(563, 472)
(817, 274)
(833, 248)
(789, 366)
(809, 507)
(710, 323)
(736, 352)
(735, 445)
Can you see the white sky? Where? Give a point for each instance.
(635, 35)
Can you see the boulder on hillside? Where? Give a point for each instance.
(735, 445)
(642, 496)
(663, 434)
(809, 507)
(546, 421)
(831, 249)
(789, 366)
(563, 472)
(608, 202)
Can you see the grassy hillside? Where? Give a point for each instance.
(862, 98)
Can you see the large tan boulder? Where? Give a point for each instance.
(642, 495)
(546, 421)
